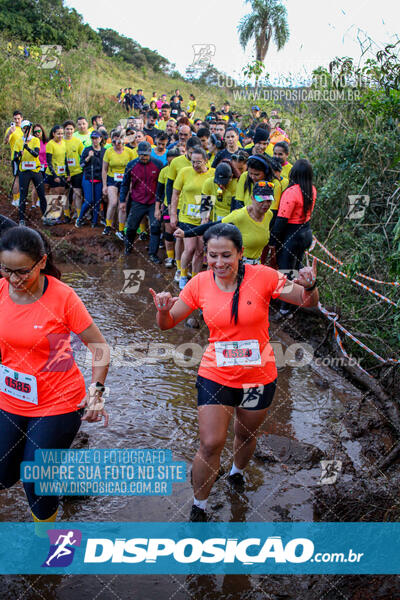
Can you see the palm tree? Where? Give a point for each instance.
(269, 18)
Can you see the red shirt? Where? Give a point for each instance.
(291, 205)
(259, 285)
(35, 340)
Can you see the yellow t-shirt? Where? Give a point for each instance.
(270, 149)
(58, 150)
(162, 125)
(177, 164)
(255, 235)
(286, 170)
(190, 183)
(74, 150)
(18, 134)
(279, 187)
(117, 162)
(28, 162)
(243, 196)
(221, 199)
(191, 107)
(163, 178)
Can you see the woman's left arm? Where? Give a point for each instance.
(303, 290)
(94, 402)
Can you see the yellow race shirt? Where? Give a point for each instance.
(163, 178)
(286, 170)
(270, 149)
(221, 199)
(18, 134)
(28, 162)
(190, 183)
(74, 150)
(176, 164)
(162, 125)
(192, 105)
(117, 162)
(279, 187)
(255, 235)
(58, 150)
(243, 196)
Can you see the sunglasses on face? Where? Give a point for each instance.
(238, 157)
(37, 131)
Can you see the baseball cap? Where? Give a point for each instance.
(223, 174)
(144, 148)
(255, 108)
(26, 123)
(263, 190)
(95, 134)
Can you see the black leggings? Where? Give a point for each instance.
(24, 179)
(20, 437)
(296, 241)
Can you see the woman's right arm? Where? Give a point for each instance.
(170, 311)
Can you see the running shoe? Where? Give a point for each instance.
(182, 282)
(169, 263)
(177, 276)
(120, 235)
(107, 230)
(197, 515)
(143, 236)
(154, 259)
(22, 223)
(236, 481)
(63, 221)
(78, 224)
(15, 202)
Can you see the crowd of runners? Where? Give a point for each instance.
(224, 201)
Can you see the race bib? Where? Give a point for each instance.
(118, 176)
(28, 165)
(61, 170)
(193, 210)
(71, 162)
(18, 385)
(243, 352)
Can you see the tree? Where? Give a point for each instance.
(268, 19)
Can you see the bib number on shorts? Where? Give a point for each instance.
(243, 353)
(193, 210)
(18, 385)
(71, 162)
(28, 165)
(61, 170)
(118, 176)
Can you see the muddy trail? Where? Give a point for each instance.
(317, 415)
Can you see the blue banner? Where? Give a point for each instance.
(200, 548)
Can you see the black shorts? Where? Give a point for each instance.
(76, 181)
(249, 398)
(54, 184)
(186, 227)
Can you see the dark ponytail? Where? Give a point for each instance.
(232, 233)
(33, 244)
(302, 174)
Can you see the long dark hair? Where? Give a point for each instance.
(262, 164)
(232, 233)
(53, 130)
(44, 136)
(302, 174)
(33, 244)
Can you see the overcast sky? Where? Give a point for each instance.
(319, 29)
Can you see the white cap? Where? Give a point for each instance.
(26, 123)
